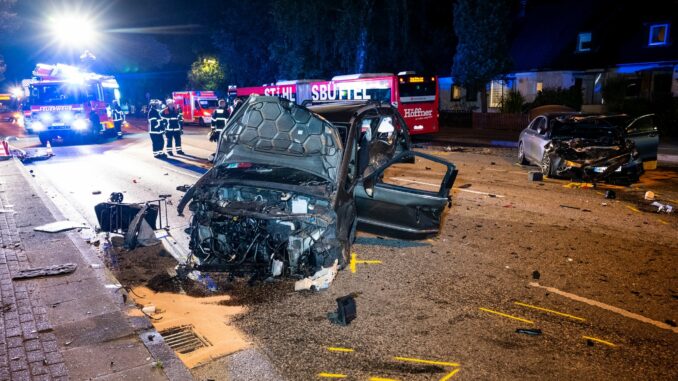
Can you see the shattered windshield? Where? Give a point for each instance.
(269, 173)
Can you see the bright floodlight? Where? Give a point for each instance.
(16, 92)
(72, 31)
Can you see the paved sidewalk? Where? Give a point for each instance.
(75, 326)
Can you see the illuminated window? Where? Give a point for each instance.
(497, 90)
(456, 93)
(584, 42)
(659, 34)
(540, 86)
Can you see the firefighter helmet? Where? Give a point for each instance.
(222, 103)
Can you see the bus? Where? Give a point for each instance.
(415, 96)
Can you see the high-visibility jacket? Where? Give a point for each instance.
(117, 114)
(172, 118)
(154, 122)
(219, 119)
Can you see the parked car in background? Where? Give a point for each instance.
(591, 147)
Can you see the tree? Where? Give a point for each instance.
(481, 27)
(206, 74)
(9, 22)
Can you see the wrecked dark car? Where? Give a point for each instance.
(285, 197)
(589, 147)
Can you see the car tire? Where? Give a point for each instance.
(546, 166)
(521, 155)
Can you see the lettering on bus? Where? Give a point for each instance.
(418, 113)
(331, 91)
(286, 92)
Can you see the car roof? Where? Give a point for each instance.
(580, 114)
(341, 112)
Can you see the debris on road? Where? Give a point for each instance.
(116, 197)
(183, 188)
(464, 186)
(536, 274)
(59, 226)
(346, 311)
(649, 195)
(570, 207)
(36, 272)
(529, 331)
(318, 281)
(96, 192)
(610, 194)
(535, 176)
(665, 208)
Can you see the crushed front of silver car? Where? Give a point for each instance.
(266, 208)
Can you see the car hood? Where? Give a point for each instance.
(274, 131)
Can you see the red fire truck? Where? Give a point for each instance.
(64, 102)
(415, 96)
(197, 106)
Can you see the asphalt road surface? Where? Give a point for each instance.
(596, 276)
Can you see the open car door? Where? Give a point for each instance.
(644, 133)
(391, 202)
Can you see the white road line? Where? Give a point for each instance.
(181, 172)
(478, 192)
(628, 314)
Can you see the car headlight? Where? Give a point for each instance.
(37, 126)
(46, 118)
(79, 124)
(206, 113)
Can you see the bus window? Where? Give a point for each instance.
(417, 92)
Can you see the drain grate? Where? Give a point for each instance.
(183, 339)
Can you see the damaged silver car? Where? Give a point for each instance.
(281, 197)
(590, 147)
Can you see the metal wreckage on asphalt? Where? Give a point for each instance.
(285, 197)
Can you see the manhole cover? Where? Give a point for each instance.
(183, 339)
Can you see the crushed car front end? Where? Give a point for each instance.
(267, 207)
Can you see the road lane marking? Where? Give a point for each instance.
(450, 375)
(506, 315)
(339, 349)
(599, 341)
(426, 362)
(331, 375)
(355, 261)
(550, 311)
(628, 314)
(632, 208)
(478, 192)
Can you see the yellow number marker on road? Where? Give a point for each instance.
(339, 349)
(599, 341)
(331, 375)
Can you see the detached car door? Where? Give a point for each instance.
(643, 131)
(402, 201)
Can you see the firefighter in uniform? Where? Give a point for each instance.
(219, 119)
(173, 119)
(118, 117)
(156, 129)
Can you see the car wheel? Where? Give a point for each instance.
(521, 155)
(546, 166)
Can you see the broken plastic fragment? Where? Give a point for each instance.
(318, 281)
(666, 208)
(276, 267)
(59, 226)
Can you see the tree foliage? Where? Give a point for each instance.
(482, 47)
(9, 22)
(262, 41)
(206, 74)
